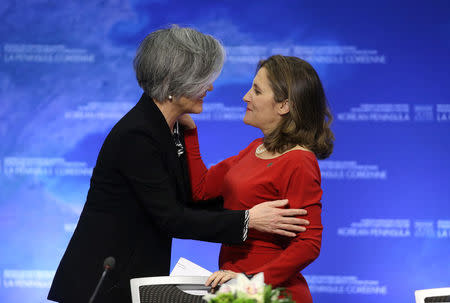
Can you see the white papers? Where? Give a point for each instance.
(184, 267)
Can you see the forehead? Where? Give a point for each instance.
(261, 77)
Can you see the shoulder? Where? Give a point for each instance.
(251, 147)
(300, 162)
(301, 177)
(141, 125)
(301, 158)
(255, 143)
(133, 141)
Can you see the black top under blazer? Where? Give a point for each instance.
(135, 205)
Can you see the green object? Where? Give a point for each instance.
(269, 296)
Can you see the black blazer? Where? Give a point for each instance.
(135, 205)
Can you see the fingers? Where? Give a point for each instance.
(226, 277)
(288, 230)
(277, 203)
(282, 232)
(302, 212)
(291, 225)
(269, 217)
(296, 221)
(292, 212)
(291, 228)
(218, 278)
(212, 278)
(187, 121)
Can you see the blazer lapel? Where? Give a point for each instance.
(162, 133)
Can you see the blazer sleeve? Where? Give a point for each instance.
(206, 183)
(141, 163)
(303, 191)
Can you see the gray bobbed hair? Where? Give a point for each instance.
(177, 61)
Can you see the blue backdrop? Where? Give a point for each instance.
(66, 77)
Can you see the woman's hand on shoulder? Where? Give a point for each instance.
(187, 121)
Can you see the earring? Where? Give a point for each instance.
(170, 97)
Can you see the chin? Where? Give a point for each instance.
(247, 120)
(197, 109)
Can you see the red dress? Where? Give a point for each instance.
(245, 180)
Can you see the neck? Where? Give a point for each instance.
(169, 111)
(269, 128)
(266, 131)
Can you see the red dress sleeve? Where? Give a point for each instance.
(206, 183)
(303, 191)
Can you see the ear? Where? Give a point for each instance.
(283, 107)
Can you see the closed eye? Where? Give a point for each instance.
(256, 89)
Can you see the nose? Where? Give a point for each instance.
(246, 97)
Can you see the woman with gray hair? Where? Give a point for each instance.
(139, 189)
